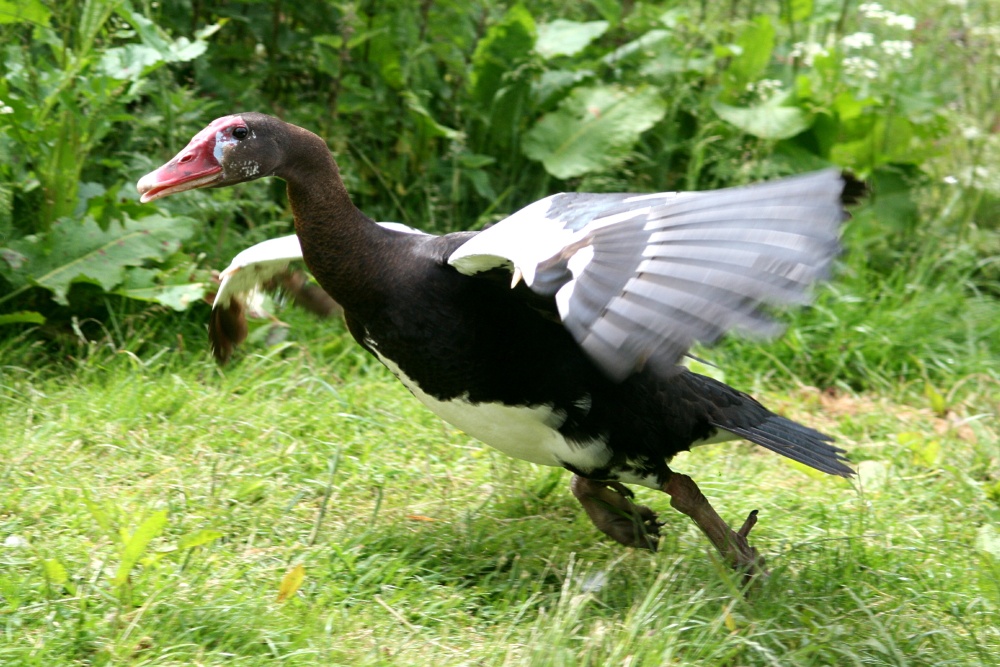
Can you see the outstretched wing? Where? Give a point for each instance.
(255, 266)
(638, 279)
(241, 281)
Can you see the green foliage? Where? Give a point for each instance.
(70, 74)
(593, 129)
(449, 115)
(73, 252)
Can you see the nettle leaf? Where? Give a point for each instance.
(770, 120)
(593, 129)
(504, 46)
(73, 252)
(567, 38)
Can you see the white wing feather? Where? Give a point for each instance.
(638, 279)
(254, 266)
(259, 263)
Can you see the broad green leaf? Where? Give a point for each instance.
(873, 475)
(755, 45)
(555, 83)
(56, 574)
(291, 582)
(26, 11)
(136, 544)
(333, 41)
(889, 141)
(938, 402)
(567, 38)
(11, 261)
(55, 571)
(611, 10)
(646, 44)
(128, 62)
(198, 538)
(22, 317)
(926, 451)
(73, 252)
(769, 120)
(426, 121)
(593, 129)
(184, 50)
(799, 10)
(177, 297)
(849, 107)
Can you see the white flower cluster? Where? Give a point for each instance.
(898, 48)
(807, 52)
(5, 108)
(858, 40)
(874, 10)
(765, 88)
(865, 67)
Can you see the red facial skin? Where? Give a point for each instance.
(198, 165)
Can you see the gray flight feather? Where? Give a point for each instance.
(689, 267)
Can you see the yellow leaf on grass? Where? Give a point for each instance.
(291, 582)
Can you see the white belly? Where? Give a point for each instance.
(526, 432)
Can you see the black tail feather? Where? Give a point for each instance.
(797, 442)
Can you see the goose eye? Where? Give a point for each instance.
(241, 132)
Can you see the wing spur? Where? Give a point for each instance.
(639, 279)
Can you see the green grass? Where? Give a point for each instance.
(420, 547)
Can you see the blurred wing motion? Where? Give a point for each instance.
(638, 279)
(241, 281)
(248, 273)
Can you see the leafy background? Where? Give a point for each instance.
(449, 115)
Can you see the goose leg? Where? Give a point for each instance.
(687, 498)
(609, 506)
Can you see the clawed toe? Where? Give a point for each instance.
(609, 507)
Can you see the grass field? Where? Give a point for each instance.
(301, 508)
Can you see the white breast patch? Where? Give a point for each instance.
(524, 432)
